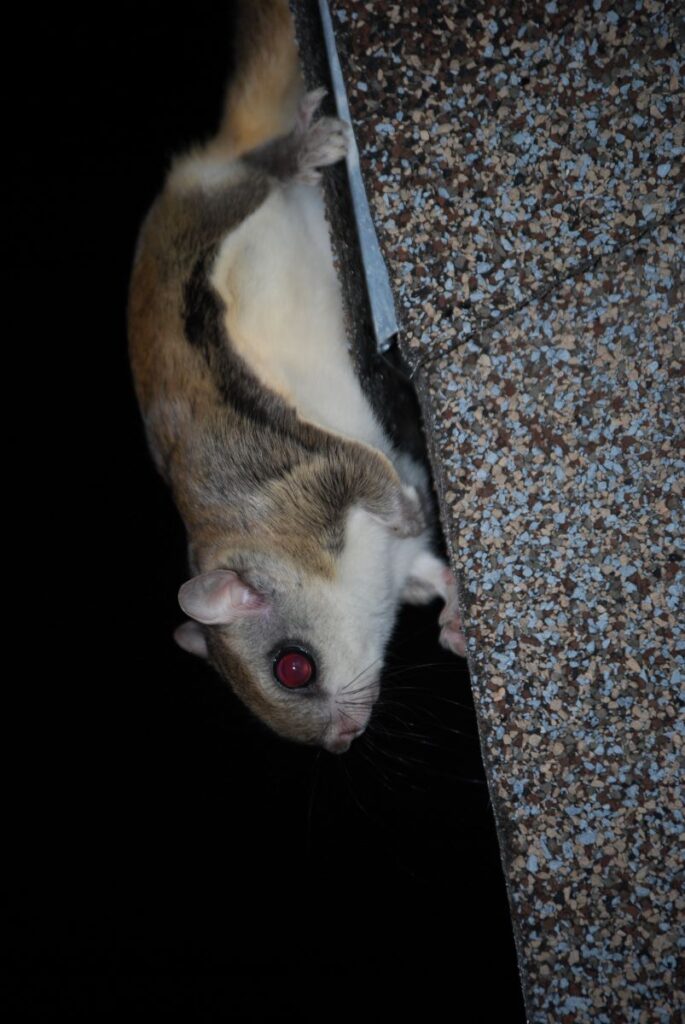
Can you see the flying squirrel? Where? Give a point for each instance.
(306, 528)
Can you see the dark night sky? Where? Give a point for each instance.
(169, 850)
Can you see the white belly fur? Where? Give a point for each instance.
(284, 314)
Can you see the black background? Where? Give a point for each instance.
(169, 853)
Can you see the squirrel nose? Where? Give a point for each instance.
(343, 731)
(339, 742)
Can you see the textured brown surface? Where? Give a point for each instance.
(560, 473)
(508, 145)
(524, 165)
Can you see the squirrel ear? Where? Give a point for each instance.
(400, 510)
(219, 597)
(190, 637)
(380, 490)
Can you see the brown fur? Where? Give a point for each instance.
(261, 492)
(236, 468)
(262, 98)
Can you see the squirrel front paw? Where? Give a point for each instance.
(452, 631)
(321, 142)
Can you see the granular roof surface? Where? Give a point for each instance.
(524, 164)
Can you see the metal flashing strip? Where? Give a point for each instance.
(377, 280)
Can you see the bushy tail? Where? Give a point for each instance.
(262, 96)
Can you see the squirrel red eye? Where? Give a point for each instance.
(293, 668)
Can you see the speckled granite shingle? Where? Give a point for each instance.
(560, 465)
(525, 167)
(508, 144)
